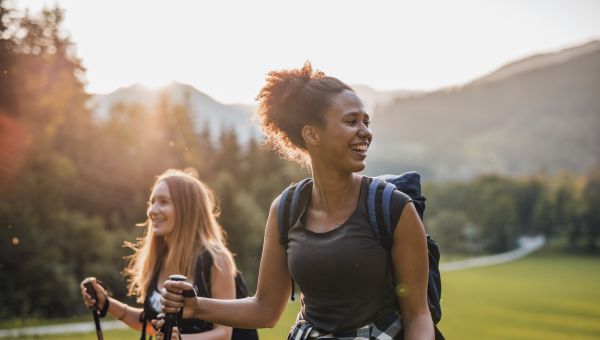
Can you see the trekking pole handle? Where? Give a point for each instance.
(89, 287)
(171, 318)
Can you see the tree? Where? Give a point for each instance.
(39, 253)
(229, 153)
(451, 229)
(46, 100)
(526, 194)
(591, 213)
(7, 62)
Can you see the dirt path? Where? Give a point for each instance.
(527, 245)
(79, 327)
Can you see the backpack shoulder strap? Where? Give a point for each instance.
(287, 209)
(379, 202)
(287, 214)
(202, 274)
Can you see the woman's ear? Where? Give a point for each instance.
(310, 135)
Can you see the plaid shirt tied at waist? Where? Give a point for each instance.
(387, 328)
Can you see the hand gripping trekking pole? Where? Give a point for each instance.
(92, 292)
(171, 318)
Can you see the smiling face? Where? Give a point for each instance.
(161, 210)
(343, 140)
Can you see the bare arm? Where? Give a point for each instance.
(260, 311)
(119, 310)
(409, 257)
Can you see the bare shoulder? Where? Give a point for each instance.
(222, 263)
(275, 204)
(409, 224)
(409, 213)
(273, 213)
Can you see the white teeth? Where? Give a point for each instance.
(360, 147)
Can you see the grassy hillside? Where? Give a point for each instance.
(544, 296)
(543, 119)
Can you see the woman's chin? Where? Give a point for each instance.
(160, 232)
(358, 166)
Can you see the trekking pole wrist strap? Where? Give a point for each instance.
(104, 310)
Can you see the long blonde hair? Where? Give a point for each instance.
(196, 229)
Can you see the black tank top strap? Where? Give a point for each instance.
(204, 264)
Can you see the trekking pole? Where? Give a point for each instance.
(171, 318)
(90, 290)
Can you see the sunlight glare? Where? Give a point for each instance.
(224, 49)
(155, 83)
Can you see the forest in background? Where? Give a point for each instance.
(72, 187)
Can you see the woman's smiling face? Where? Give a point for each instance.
(345, 136)
(161, 210)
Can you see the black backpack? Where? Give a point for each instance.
(202, 284)
(379, 208)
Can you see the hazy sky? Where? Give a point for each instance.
(224, 48)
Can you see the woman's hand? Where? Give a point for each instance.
(159, 335)
(172, 299)
(88, 300)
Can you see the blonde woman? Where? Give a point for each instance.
(182, 232)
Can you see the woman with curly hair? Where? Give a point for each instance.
(182, 233)
(346, 277)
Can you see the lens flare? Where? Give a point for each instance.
(401, 290)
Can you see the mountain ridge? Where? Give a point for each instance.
(203, 108)
(539, 113)
(541, 119)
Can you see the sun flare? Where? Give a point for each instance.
(155, 83)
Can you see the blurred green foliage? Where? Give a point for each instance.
(488, 214)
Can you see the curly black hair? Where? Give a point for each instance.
(290, 100)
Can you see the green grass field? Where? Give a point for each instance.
(543, 296)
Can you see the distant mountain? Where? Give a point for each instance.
(374, 100)
(539, 61)
(541, 113)
(248, 109)
(203, 108)
(538, 114)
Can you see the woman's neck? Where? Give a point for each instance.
(167, 239)
(166, 261)
(332, 190)
(165, 253)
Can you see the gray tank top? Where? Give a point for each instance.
(345, 274)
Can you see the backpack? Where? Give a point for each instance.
(379, 208)
(202, 282)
